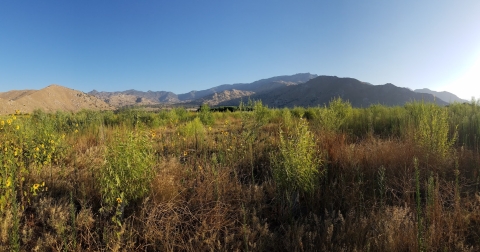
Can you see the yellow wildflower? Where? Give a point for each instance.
(9, 182)
(185, 153)
(18, 127)
(119, 200)
(36, 186)
(9, 121)
(2, 123)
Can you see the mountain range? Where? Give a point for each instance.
(303, 89)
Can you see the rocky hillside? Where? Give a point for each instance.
(49, 99)
(217, 98)
(323, 89)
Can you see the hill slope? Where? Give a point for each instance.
(49, 99)
(444, 96)
(323, 89)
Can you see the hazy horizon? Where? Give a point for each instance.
(185, 45)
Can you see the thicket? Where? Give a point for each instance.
(331, 178)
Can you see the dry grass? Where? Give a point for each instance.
(220, 195)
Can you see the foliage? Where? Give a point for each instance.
(296, 165)
(335, 116)
(127, 172)
(206, 115)
(432, 132)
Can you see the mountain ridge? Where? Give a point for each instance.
(443, 95)
(321, 90)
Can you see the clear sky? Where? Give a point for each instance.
(179, 46)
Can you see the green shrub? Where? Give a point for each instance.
(127, 172)
(432, 131)
(206, 116)
(335, 116)
(261, 113)
(295, 166)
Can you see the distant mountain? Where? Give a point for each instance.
(50, 99)
(124, 98)
(444, 96)
(256, 86)
(323, 89)
(134, 97)
(217, 98)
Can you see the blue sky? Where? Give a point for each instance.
(181, 45)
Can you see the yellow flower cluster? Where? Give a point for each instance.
(36, 187)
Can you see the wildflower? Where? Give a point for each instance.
(76, 131)
(36, 186)
(9, 121)
(9, 182)
(14, 117)
(119, 200)
(18, 127)
(185, 153)
(209, 128)
(2, 123)
(17, 112)
(37, 149)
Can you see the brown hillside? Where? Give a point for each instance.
(50, 99)
(15, 94)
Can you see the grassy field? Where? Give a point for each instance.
(332, 178)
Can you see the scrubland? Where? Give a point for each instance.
(332, 178)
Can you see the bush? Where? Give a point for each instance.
(206, 115)
(295, 166)
(432, 131)
(127, 172)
